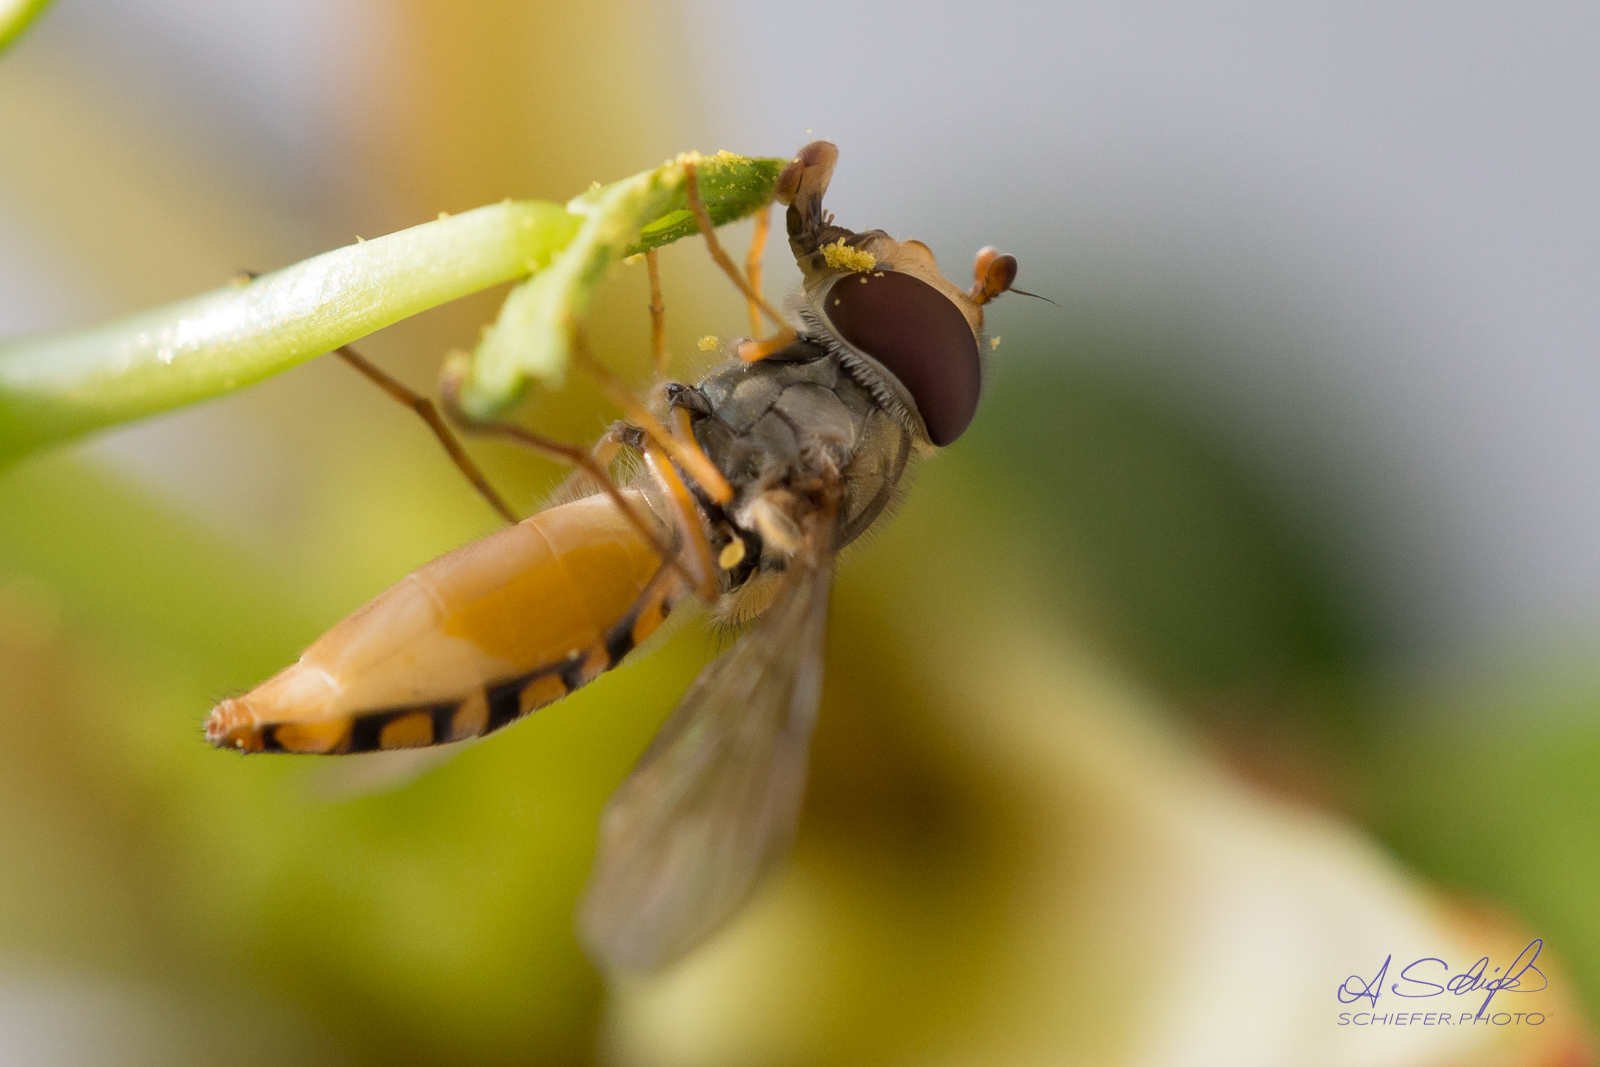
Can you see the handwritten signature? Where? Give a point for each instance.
(1476, 978)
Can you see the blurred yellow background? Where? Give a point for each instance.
(1246, 637)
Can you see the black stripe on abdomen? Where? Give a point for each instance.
(504, 702)
(366, 729)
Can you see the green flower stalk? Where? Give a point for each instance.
(533, 338)
(57, 387)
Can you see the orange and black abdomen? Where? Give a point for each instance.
(468, 643)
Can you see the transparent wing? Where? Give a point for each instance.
(713, 803)
(372, 773)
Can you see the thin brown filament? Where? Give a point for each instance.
(702, 218)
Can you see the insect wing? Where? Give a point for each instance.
(368, 774)
(713, 804)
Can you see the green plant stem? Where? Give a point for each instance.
(53, 388)
(533, 339)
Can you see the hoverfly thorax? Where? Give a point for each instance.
(886, 310)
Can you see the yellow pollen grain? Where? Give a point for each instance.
(994, 343)
(841, 256)
(443, 215)
(709, 343)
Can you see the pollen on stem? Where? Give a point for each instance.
(709, 343)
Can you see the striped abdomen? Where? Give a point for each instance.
(468, 643)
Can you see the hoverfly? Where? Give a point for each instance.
(812, 439)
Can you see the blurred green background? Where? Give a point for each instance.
(271, 910)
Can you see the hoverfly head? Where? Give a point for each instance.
(904, 329)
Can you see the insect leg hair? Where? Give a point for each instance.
(430, 414)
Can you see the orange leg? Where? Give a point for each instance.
(687, 519)
(685, 512)
(685, 451)
(450, 388)
(605, 450)
(756, 351)
(658, 315)
(579, 483)
(683, 447)
(752, 267)
(647, 613)
(702, 218)
(430, 415)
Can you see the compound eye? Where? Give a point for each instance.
(917, 334)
